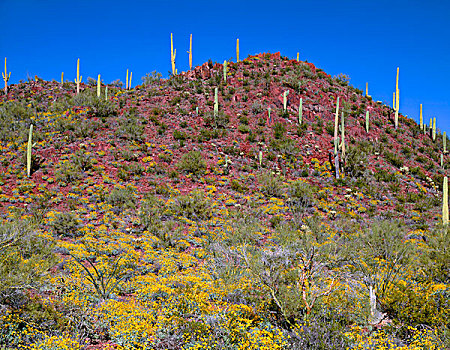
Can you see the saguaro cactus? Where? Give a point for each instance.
(444, 142)
(285, 100)
(225, 70)
(367, 90)
(434, 129)
(269, 119)
(298, 56)
(30, 135)
(237, 50)
(79, 78)
(216, 103)
(445, 202)
(6, 77)
(397, 99)
(336, 126)
(98, 86)
(421, 118)
(126, 82)
(342, 145)
(173, 54)
(190, 53)
(300, 111)
(367, 121)
(62, 77)
(106, 93)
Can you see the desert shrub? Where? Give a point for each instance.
(88, 98)
(192, 163)
(179, 135)
(300, 197)
(25, 258)
(66, 224)
(150, 213)
(130, 127)
(151, 78)
(356, 162)
(122, 198)
(219, 122)
(279, 130)
(393, 159)
(15, 120)
(68, 172)
(238, 186)
(193, 206)
(271, 185)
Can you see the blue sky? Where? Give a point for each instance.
(367, 40)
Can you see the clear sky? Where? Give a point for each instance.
(366, 40)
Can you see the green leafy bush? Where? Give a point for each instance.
(192, 163)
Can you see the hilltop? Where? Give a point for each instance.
(155, 218)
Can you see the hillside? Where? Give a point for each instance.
(150, 221)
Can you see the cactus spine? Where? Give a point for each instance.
(444, 141)
(216, 103)
(173, 54)
(225, 71)
(421, 118)
(285, 100)
(367, 121)
(30, 135)
(445, 202)
(6, 77)
(300, 111)
(237, 50)
(79, 78)
(98, 86)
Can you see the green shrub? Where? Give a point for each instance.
(122, 198)
(66, 224)
(194, 206)
(279, 130)
(192, 163)
(271, 185)
(25, 259)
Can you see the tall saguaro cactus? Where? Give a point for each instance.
(336, 126)
(6, 77)
(30, 135)
(300, 111)
(397, 100)
(173, 54)
(190, 52)
(285, 100)
(445, 202)
(444, 142)
(421, 118)
(98, 86)
(237, 50)
(62, 77)
(79, 78)
(367, 121)
(367, 90)
(434, 129)
(225, 71)
(216, 103)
